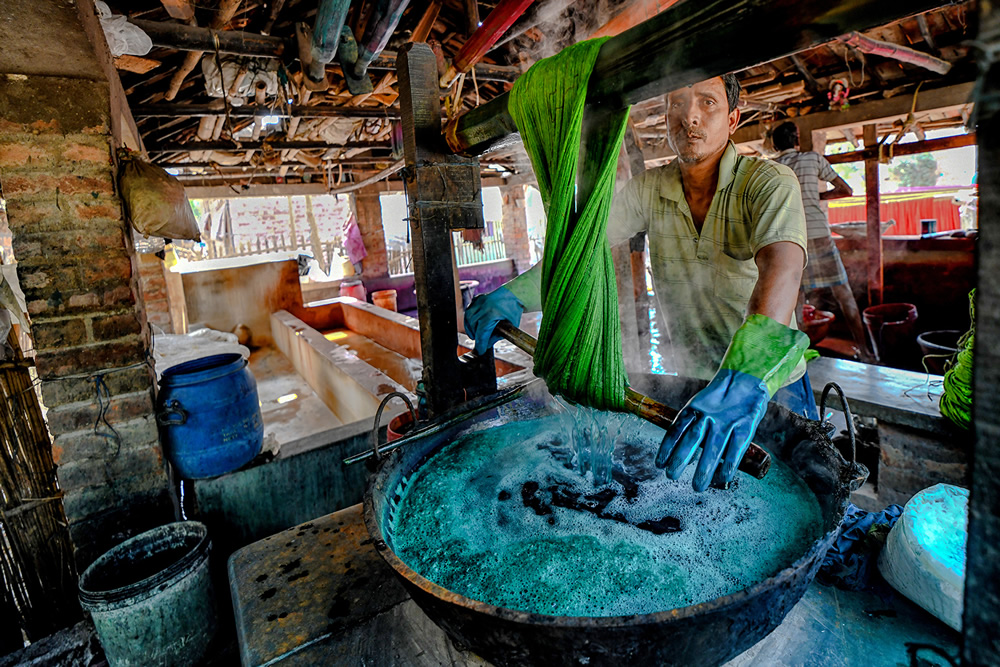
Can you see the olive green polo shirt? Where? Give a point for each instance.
(703, 281)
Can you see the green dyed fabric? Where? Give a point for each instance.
(579, 350)
(766, 349)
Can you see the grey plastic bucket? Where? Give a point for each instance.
(151, 597)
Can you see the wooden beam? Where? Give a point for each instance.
(233, 42)
(981, 615)
(949, 98)
(913, 148)
(189, 38)
(874, 219)
(680, 47)
(135, 64)
(225, 145)
(294, 111)
(181, 10)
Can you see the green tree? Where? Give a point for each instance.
(917, 171)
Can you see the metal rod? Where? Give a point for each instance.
(681, 46)
(756, 461)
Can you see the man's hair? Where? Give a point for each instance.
(732, 90)
(785, 136)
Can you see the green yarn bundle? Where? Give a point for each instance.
(579, 350)
(956, 401)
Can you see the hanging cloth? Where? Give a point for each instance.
(579, 352)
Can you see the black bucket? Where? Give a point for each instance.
(151, 597)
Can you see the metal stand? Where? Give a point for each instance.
(443, 194)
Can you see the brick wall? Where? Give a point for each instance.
(515, 227)
(259, 217)
(152, 280)
(369, 214)
(79, 274)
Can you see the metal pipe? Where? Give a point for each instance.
(903, 54)
(327, 27)
(492, 29)
(377, 33)
(681, 46)
(756, 461)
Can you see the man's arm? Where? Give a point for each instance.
(840, 190)
(779, 268)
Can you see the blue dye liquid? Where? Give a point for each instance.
(503, 516)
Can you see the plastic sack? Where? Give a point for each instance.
(924, 556)
(217, 86)
(155, 201)
(173, 349)
(123, 37)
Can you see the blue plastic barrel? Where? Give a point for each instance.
(209, 415)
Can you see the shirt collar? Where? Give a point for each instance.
(671, 187)
(787, 151)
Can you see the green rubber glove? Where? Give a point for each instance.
(723, 417)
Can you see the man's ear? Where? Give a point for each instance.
(734, 120)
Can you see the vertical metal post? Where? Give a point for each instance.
(874, 220)
(443, 193)
(981, 622)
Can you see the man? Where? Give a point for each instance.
(824, 268)
(727, 247)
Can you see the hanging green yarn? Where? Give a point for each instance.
(579, 350)
(956, 401)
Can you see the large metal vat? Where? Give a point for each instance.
(704, 634)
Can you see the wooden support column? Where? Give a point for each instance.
(874, 220)
(981, 620)
(443, 194)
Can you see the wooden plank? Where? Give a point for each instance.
(181, 10)
(874, 219)
(135, 64)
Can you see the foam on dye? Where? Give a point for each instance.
(463, 522)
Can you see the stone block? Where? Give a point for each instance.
(115, 326)
(95, 533)
(60, 392)
(49, 334)
(123, 465)
(77, 416)
(91, 358)
(85, 444)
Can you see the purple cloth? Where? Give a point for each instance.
(353, 243)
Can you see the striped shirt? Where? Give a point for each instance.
(810, 168)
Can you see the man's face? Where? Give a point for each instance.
(699, 121)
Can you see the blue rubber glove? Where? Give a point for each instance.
(723, 417)
(488, 310)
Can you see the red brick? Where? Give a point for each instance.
(72, 185)
(91, 358)
(83, 153)
(115, 326)
(49, 334)
(17, 155)
(117, 267)
(77, 416)
(89, 210)
(119, 296)
(89, 300)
